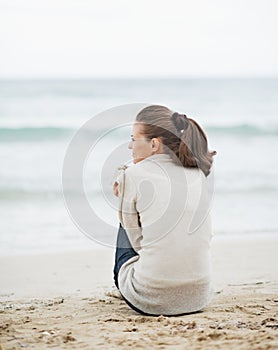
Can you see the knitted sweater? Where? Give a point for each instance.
(165, 211)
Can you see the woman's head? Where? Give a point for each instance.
(141, 145)
(159, 130)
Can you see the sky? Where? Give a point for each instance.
(132, 38)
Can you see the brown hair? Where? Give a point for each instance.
(182, 137)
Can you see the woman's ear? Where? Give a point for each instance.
(155, 142)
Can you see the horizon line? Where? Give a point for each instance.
(165, 77)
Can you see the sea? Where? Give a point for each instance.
(40, 118)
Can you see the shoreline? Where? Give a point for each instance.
(235, 260)
(94, 245)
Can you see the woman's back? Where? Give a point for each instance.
(164, 209)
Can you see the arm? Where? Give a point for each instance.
(125, 188)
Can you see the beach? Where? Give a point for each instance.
(56, 287)
(74, 76)
(67, 300)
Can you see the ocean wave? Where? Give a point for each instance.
(17, 193)
(42, 133)
(14, 193)
(34, 133)
(242, 130)
(32, 194)
(233, 190)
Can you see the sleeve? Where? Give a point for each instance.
(128, 214)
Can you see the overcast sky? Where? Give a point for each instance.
(130, 38)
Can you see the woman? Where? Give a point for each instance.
(162, 262)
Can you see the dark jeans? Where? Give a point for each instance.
(124, 251)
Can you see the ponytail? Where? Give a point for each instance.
(193, 149)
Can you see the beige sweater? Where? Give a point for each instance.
(164, 209)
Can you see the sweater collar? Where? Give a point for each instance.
(157, 157)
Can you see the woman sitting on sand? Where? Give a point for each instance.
(162, 262)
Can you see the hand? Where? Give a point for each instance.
(116, 188)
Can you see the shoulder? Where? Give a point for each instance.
(136, 170)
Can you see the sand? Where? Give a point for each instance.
(67, 301)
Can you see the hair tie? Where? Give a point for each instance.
(180, 121)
